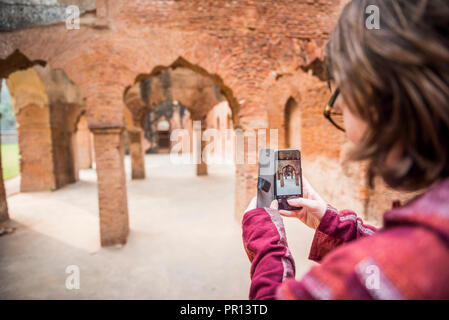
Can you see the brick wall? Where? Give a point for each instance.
(259, 53)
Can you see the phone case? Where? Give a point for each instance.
(265, 183)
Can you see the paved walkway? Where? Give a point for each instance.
(184, 242)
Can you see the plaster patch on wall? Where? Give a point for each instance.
(17, 14)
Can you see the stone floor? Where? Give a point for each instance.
(184, 241)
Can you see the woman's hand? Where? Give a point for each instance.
(313, 207)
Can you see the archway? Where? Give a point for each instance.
(47, 106)
(187, 85)
(289, 172)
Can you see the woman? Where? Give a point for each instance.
(393, 92)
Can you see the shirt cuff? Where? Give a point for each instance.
(323, 241)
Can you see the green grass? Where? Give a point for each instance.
(10, 161)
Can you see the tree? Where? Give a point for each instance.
(8, 121)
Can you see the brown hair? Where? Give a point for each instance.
(396, 79)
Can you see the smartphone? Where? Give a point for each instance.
(288, 177)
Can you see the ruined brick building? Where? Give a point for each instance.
(263, 59)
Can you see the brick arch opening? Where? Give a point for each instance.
(46, 105)
(160, 73)
(184, 83)
(16, 61)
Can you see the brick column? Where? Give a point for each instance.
(198, 131)
(74, 152)
(37, 163)
(112, 196)
(247, 164)
(245, 187)
(3, 204)
(137, 154)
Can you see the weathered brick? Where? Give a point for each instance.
(259, 53)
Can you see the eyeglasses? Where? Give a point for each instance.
(336, 118)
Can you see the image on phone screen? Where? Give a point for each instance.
(288, 174)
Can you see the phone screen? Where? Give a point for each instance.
(288, 174)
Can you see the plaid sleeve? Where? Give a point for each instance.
(352, 271)
(336, 228)
(265, 243)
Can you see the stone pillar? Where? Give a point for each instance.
(245, 188)
(3, 203)
(74, 152)
(112, 196)
(137, 154)
(92, 146)
(37, 164)
(73, 174)
(198, 144)
(246, 166)
(61, 130)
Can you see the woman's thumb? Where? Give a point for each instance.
(316, 207)
(303, 202)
